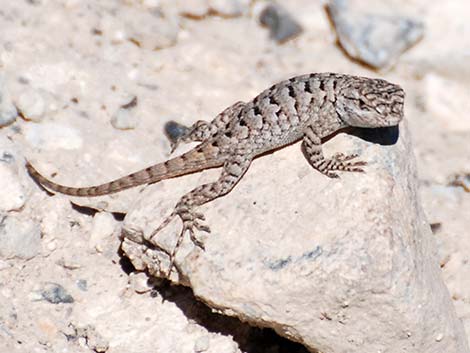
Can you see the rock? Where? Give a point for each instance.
(19, 238)
(8, 112)
(51, 136)
(103, 227)
(125, 118)
(193, 8)
(376, 39)
(93, 339)
(82, 284)
(174, 130)
(198, 9)
(139, 282)
(161, 29)
(12, 197)
(31, 105)
(281, 24)
(54, 293)
(8, 319)
(340, 265)
(227, 8)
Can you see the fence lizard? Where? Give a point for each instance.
(307, 108)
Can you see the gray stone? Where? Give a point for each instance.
(8, 112)
(377, 39)
(93, 339)
(12, 197)
(19, 238)
(82, 284)
(55, 293)
(340, 265)
(281, 24)
(125, 117)
(174, 130)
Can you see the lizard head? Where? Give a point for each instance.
(365, 102)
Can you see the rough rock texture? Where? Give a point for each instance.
(308, 262)
(19, 237)
(82, 63)
(375, 38)
(12, 195)
(8, 112)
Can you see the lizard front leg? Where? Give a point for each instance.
(201, 130)
(233, 170)
(311, 146)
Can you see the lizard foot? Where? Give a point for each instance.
(343, 163)
(192, 220)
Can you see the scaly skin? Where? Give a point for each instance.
(306, 108)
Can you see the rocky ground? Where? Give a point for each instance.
(85, 90)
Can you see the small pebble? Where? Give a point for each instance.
(31, 105)
(82, 284)
(125, 117)
(193, 8)
(69, 264)
(139, 282)
(226, 8)
(90, 336)
(103, 228)
(281, 24)
(19, 238)
(174, 130)
(54, 293)
(439, 337)
(8, 112)
(12, 196)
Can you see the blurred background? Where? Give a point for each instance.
(91, 83)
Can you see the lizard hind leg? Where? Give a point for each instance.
(185, 209)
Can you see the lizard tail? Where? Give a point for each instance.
(194, 160)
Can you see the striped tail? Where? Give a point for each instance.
(194, 160)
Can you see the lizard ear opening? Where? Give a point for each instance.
(355, 112)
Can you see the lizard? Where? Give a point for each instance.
(307, 107)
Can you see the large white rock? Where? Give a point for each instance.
(342, 265)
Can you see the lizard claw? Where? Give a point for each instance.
(202, 227)
(191, 220)
(199, 215)
(341, 157)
